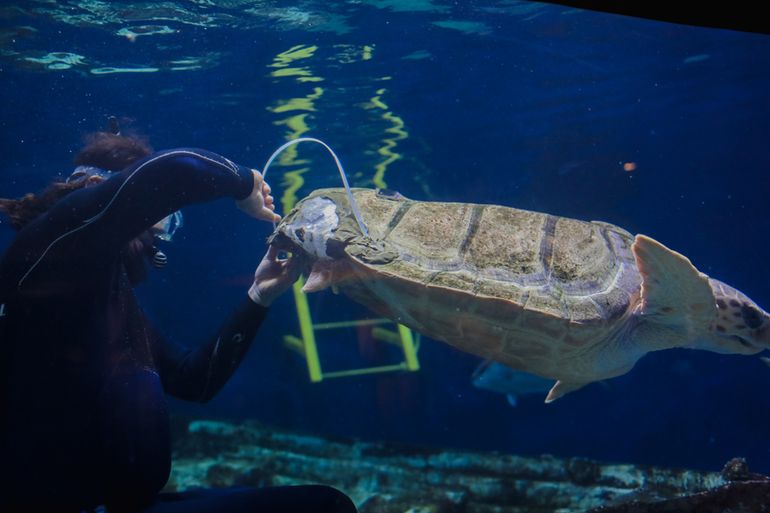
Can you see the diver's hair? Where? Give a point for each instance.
(25, 209)
(103, 149)
(113, 152)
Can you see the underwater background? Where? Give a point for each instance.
(659, 128)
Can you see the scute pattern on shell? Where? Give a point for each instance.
(574, 270)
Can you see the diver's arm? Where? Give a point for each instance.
(119, 209)
(164, 182)
(198, 374)
(87, 229)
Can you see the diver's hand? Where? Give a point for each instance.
(273, 277)
(259, 204)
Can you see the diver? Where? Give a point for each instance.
(84, 422)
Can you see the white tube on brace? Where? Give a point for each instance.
(353, 204)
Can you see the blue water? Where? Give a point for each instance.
(520, 104)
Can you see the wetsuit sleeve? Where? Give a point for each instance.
(162, 183)
(197, 374)
(102, 219)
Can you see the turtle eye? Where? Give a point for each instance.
(751, 316)
(389, 194)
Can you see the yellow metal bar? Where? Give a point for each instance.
(391, 337)
(306, 346)
(295, 344)
(410, 352)
(349, 324)
(308, 337)
(366, 370)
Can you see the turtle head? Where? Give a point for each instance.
(741, 326)
(318, 230)
(309, 229)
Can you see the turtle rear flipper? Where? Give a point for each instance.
(674, 293)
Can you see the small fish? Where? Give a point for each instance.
(697, 58)
(514, 384)
(766, 360)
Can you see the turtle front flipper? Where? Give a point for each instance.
(325, 274)
(561, 388)
(321, 277)
(675, 296)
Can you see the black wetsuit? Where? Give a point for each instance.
(84, 374)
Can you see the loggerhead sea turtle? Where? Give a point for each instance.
(560, 298)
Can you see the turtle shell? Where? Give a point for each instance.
(504, 283)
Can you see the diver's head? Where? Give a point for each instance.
(105, 153)
(145, 246)
(741, 325)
